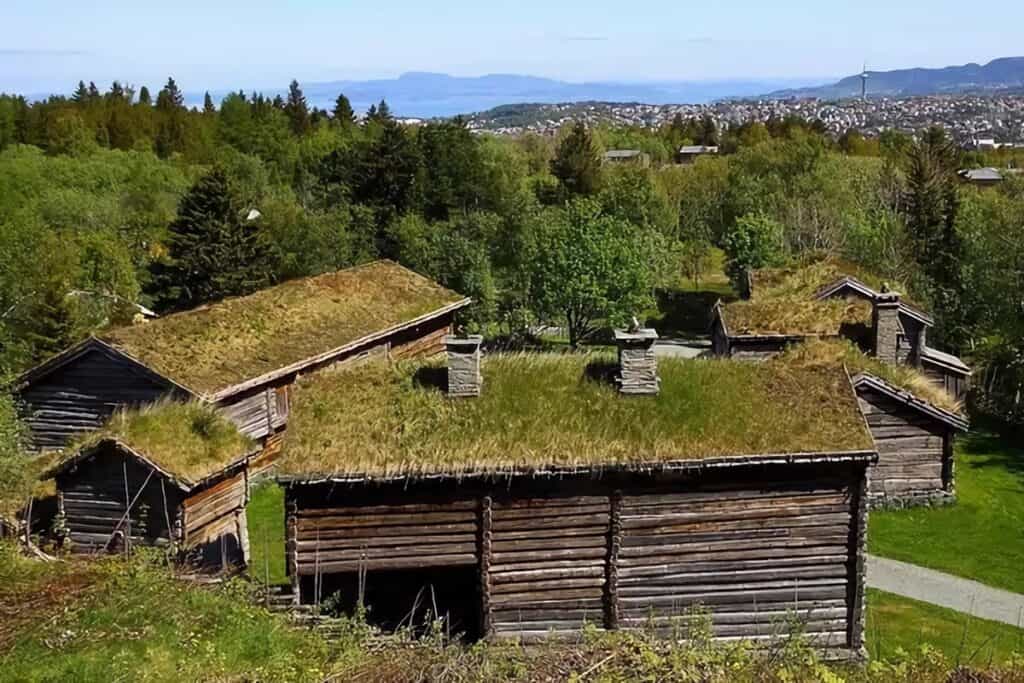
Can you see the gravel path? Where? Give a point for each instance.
(946, 590)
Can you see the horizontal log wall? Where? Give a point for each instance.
(912, 463)
(547, 565)
(93, 502)
(343, 539)
(421, 341)
(213, 503)
(752, 559)
(81, 395)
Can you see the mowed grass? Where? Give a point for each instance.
(981, 537)
(896, 624)
(265, 514)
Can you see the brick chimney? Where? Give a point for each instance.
(638, 367)
(885, 325)
(464, 378)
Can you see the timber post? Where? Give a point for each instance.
(612, 567)
(858, 558)
(486, 626)
(291, 509)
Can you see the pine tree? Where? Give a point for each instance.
(343, 114)
(297, 109)
(371, 113)
(93, 93)
(53, 318)
(276, 103)
(576, 163)
(208, 107)
(214, 250)
(708, 134)
(81, 94)
(170, 134)
(116, 91)
(383, 111)
(144, 97)
(170, 97)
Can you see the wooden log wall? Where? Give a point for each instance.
(93, 502)
(373, 537)
(421, 341)
(214, 503)
(81, 395)
(911, 451)
(752, 558)
(547, 565)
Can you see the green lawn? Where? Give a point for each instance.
(266, 534)
(982, 536)
(684, 310)
(894, 623)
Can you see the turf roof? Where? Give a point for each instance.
(215, 347)
(189, 441)
(543, 411)
(782, 301)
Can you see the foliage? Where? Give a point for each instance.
(16, 481)
(577, 163)
(754, 242)
(591, 266)
(265, 519)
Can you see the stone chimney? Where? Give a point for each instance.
(638, 367)
(464, 378)
(885, 325)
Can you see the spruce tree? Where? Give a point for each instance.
(383, 111)
(576, 163)
(708, 132)
(343, 114)
(93, 93)
(116, 91)
(81, 94)
(214, 251)
(297, 109)
(208, 107)
(144, 97)
(170, 97)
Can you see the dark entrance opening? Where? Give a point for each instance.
(406, 598)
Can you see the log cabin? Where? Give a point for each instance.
(241, 354)
(832, 299)
(568, 490)
(171, 475)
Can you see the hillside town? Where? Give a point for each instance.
(973, 120)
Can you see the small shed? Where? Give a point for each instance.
(173, 475)
(914, 439)
(552, 500)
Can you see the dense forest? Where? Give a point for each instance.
(118, 200)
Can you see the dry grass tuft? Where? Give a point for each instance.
(189, 440)
(220, 345)
(820, 353)
(547, 410)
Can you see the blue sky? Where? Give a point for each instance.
(48, 45)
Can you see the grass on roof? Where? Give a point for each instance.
(222, 344)
(189, 440)
(796, 316)
(806, 278)
(544, 410)
(821, 353)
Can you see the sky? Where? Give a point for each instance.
(48, 45)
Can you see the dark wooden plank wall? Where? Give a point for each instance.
(547, 565)
(752, 558)
(92, 499)
(955, 384)
(912, 460)
(81, 395)
(345, 539)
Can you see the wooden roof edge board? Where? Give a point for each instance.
(945, 360)
(94, 343)
(328, 355)
(184, 484)
(865, 379)
(803, 458)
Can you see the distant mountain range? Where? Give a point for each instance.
(1006, 74)
(427, 95)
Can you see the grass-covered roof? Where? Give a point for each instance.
(546, 411)
(218, 346)
(783, 300)
(189, 441)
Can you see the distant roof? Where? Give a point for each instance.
(545, 412)
(187, 442)
(947, 360)
(212, 349)
(981, 174)
(622, 153)
(698, 149)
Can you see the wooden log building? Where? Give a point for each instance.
(170, 475)
(240, 355)
(552, 499)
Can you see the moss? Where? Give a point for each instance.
(548, 410)
(223, 344)
(189, 440)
